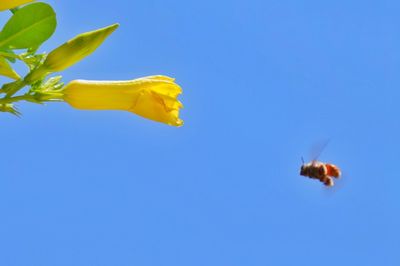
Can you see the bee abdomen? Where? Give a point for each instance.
(333, 170)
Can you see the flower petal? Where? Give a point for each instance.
(8, 4)
(153, 97)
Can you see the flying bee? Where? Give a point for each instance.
(319, 170)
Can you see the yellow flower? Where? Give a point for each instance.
(8, 4)
(152, 97)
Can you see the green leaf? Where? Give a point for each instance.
(9, 55)
(29, 27)
(6, 70)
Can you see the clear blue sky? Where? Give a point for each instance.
(263, 82)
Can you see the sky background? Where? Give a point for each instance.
(263, 82)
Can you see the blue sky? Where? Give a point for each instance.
(263, 82)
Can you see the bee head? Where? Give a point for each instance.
(303, 170)
(303, 167)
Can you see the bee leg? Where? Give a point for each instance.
(327, 180)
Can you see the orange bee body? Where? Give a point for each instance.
(321, 171)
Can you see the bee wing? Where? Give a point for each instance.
(318, 148)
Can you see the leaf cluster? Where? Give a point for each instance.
(20, 38)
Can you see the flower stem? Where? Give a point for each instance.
(11, 55)
(25, 97)
(13, 10)
(12, 88)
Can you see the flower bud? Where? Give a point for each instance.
(76, 49)
(152, 97)
(71, 52)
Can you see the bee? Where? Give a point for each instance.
(321, 171)
(324, 172)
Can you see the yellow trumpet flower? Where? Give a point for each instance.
(152, 97)
(8, 4)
